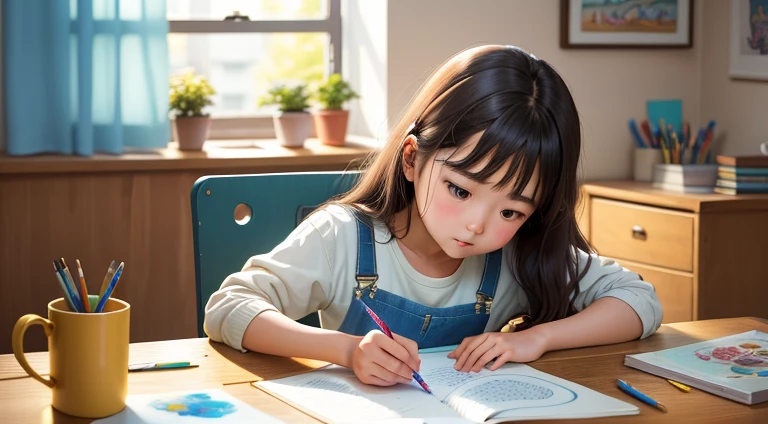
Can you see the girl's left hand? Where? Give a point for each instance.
(475, 352)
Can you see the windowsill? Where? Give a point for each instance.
(263, 155)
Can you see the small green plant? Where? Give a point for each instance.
(334, 92)
(288, 99)
(189, 94)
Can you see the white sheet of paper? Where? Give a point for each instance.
(202, 406)
(335, 394)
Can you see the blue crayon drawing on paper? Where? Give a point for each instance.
(189, 406)
(196, 405)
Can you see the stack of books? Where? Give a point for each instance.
(742, 174)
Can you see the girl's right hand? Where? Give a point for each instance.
(382, 361)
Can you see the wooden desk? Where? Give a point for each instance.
(133, 208)
(23, 400)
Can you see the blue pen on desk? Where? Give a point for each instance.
(386, 331)
(626, 388)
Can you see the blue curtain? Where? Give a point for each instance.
(85, 75)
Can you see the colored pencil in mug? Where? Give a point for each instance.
(110, 288)
(68, 287)
(67, 276)
(83, 287)
(107, 278)
(65, 289)
(71, 279)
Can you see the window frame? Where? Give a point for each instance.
(261, 126)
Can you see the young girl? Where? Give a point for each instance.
(464, 219)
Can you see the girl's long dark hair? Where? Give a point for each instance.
(527, 115)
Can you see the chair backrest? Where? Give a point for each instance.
(277, 203)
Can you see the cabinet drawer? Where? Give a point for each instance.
(642, 234)
(675, 291)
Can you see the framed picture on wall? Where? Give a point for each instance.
(626, 23)
(749, 39)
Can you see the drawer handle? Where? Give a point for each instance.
(639, 233)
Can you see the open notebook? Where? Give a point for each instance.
(734, 367)
(513, 392)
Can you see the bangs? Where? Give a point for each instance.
(517, 139)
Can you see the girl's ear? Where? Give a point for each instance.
(410, 148)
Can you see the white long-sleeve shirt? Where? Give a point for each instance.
(313, 269)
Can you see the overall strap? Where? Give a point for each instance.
(488, 283)
(365, 272)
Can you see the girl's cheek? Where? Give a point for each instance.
(504, 234)
(445, 206)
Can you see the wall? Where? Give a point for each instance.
(609, 86)
(740, 107)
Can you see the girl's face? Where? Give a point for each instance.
(463, 216)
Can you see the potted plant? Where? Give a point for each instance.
(293, 123)
(331, 120)
(189, 94)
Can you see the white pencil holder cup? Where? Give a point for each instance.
(644, 160)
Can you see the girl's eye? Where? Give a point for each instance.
(509, 214)
(457, 191)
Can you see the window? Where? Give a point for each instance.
(245, 46)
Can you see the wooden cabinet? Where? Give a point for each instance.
(706, 254)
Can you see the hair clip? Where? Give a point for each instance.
(516, 323)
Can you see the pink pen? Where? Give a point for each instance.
(386, 331)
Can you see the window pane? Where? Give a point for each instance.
(257, 10)
(241, 67)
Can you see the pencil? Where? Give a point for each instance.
(109, 290)
(65, 289)
(107, 277)
(83, 287)
(676, 144)
(70, 283)
(680, 386)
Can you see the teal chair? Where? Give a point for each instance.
(276, 203)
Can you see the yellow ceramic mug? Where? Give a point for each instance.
(88, 354)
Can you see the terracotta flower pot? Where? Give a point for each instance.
(331, 126)
(191, 131)
(293, 128)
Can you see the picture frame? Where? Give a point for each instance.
(749, 39)
(626, 24)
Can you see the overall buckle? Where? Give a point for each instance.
(363, 282)
(483, 304)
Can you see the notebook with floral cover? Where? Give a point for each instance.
(734, 367)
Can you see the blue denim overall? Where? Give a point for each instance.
(428, 326)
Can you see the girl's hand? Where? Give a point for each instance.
(475, 352)
(381, 361)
